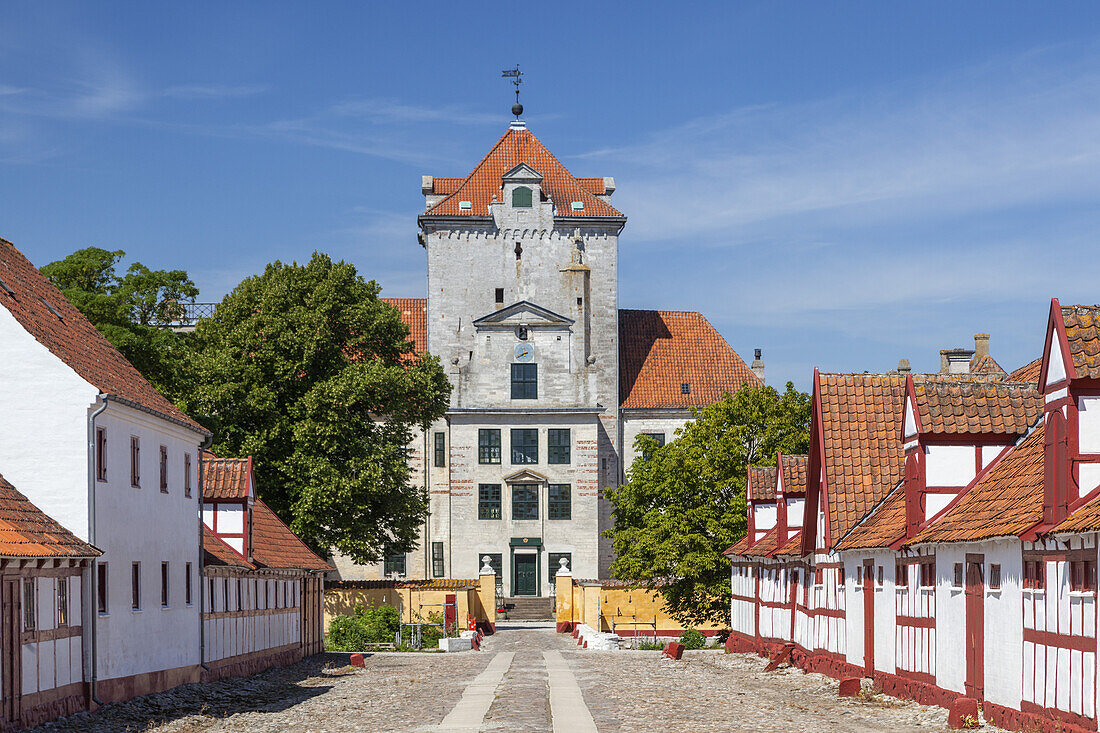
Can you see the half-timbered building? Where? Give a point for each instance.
(43, 639)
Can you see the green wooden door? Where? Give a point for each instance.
(526, 575)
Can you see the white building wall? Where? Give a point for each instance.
(230, 635)
(665, 422)
(44, 434)
(949, 465)
(58, 662)
(764, 517)
(148, 526)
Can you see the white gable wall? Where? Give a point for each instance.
(795, 510)
(764, 518)
(44, 430)
(949, 465)
(1056, 367)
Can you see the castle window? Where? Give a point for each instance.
(521, 197)
(525, 382)
(525, 445)
(394, 563)
(437, 560)
(500, 295)
(525, 501)
(685, 388)
(488, 445)
(558, 503)
(558, 445)
(488, 501)
(440, 450)
(555, 562)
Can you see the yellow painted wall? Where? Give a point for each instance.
(617, 609)
(344, 601)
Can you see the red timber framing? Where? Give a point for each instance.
(1059, 636)
(915, 614)
(11, 665)
(868, 582)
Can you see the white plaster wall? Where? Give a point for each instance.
(44, 434)
(229, 636)
(1089, 476)
(934, 503)
(795, 509)
(635, 423)
(949, 465)
(764, 517)
(53, 663)
(1056, 368)
(1089, 425)
(147, 526)
(950, 619)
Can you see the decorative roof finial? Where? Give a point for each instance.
(517, 78)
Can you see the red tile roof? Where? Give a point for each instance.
(517, 146)
(225, 478)
(27, 531)
(661, 350)
(414, 314)
(985, 365)
(1028, 372)
(1007, 501)
(739, 547)
(54, 322)
(428, 584)
(765, 546)
(275, 546)
(953, 405)
(883, 526)
(761, 483)
(792, 547)
(1083, 334)
(861, 418)
(794, 474)
(1085, 519)
(217, 552)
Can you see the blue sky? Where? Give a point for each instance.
(840, 184)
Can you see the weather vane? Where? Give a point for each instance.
(517, 78)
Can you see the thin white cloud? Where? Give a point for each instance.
(213, 91)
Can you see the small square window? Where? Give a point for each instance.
(901, 575)
(499, 295)
(525, 445)
(465, 205)
(394, 564)
(995, 576)
(685, 388)
(927, 575)
(488, 445)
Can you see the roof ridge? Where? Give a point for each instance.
(470, 175)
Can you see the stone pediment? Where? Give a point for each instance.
(522, 173)
(523, 313)
(525, 476)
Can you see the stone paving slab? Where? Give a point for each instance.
(624, 692)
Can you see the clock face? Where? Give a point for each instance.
(524, 352)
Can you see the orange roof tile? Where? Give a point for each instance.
(275, 546)
(1007, 501)
(1083, 334)
(1085, 519)
(27, 531)
(54, 322)
(765, 546)
(861, 428)
(659, 351)
(986, 365)
(1028, 372)
(217, 552)
(951, 405)
(761, 483)
(792, 547)
(429, 584)
(883, 526)
(414, 314)
(225, 478)
(738, 547)
(517, 146)
(794, 474)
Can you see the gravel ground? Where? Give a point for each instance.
(625, 691)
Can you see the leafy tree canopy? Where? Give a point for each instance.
(305, 369)
(127, 309)
(685, 504)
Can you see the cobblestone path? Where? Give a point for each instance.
(540, 683)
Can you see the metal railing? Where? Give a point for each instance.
(185, 315)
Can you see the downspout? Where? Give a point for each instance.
(202, 556)
(428, 444)
(93, 580)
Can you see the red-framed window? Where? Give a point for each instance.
(928, 575)
(818, 575)
(994, 576)
(1034, 574)
(958, 575)
(1082, 576)
(901, 575)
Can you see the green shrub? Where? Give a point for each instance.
(693, 639)
(364, 626)
(432, 631)
(651, 646)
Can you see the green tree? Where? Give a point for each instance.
(685, 504)
(128, 309)
(305, 369)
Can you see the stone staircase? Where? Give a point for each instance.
(529, 608)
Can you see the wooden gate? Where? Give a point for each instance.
(975, 627)
(10, 665)
(869, 618)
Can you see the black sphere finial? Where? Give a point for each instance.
(517, 109)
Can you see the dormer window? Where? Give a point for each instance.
(578, 206)
(465, 205)
(685, 388)
(521, 197)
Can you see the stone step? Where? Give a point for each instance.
(530, 608)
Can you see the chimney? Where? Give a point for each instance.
(903, 366)
(981, 345)
(757, 366)
(955, 361)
